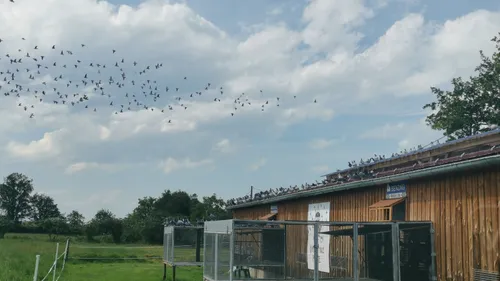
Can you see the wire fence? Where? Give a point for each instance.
(53, 267)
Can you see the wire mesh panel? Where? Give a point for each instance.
(209, 255)
(415, 257)
(337, 251)
(188, 245)
(223, 259)
(259, 250)
(297, 260)
(168, 244)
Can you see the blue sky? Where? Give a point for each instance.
(369, 64)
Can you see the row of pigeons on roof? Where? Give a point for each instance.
(357, 171)
(184, 221)
(354, 174)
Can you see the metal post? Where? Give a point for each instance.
(355, 260)
(172, 252)
(37, 262)
(66, 257)
(198, 244)
(204, 251)
(164, 271)
(231, 255)
(284, 252)
(395, 252)
(165, 244)
(216, 273)
(316, 253)
(55, 263)
(433, 254)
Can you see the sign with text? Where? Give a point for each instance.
(274, 209)
(395, 190)
(319, 212)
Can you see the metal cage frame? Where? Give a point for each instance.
(169, 249)
(228, 227)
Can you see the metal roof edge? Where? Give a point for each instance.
(442, 169)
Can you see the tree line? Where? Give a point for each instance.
(23, 211)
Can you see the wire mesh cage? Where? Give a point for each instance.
(306, 250)
(238, 250)
(382, 251)
(183, 245)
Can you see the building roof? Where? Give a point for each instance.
(478, 151)
(387, 203)
(450, 145)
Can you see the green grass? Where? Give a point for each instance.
(17, 260)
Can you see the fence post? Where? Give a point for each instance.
(65, 254)
(67, 251)
(55, 263)
(37, 261)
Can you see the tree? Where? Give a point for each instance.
(473, 106)
(15, 196)
(54, 226)
(5, 226)
(76, 221)
(176, 203)
(43, 207)
(105, 222)
(215, 208)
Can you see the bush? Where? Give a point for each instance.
(5, 226)
(54, 227)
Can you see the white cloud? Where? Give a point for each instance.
(321, 143)
(259, 164)
(82, 166)
(46, 147)
(170, 164)
(321, 60)
(275, 11)
(224, 146)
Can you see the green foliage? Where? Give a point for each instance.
(76, 222)
(54, 226)
(5, 226)
(15, 196)
(473, 106)
(143, 224)
(43, 207)
(105, 223)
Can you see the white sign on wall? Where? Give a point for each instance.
(319, 212)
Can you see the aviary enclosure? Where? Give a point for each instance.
(276, 250)
(182, 246)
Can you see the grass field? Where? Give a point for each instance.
(18, 251)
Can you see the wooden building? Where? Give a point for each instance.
(455, 185)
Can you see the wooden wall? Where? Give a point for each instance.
(464, 209)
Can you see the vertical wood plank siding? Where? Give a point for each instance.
(464, 207)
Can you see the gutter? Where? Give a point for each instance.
(427, 172)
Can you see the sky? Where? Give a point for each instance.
(369, 66)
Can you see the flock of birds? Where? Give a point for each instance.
(56, 75)
(356, 171)
(185, 222)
